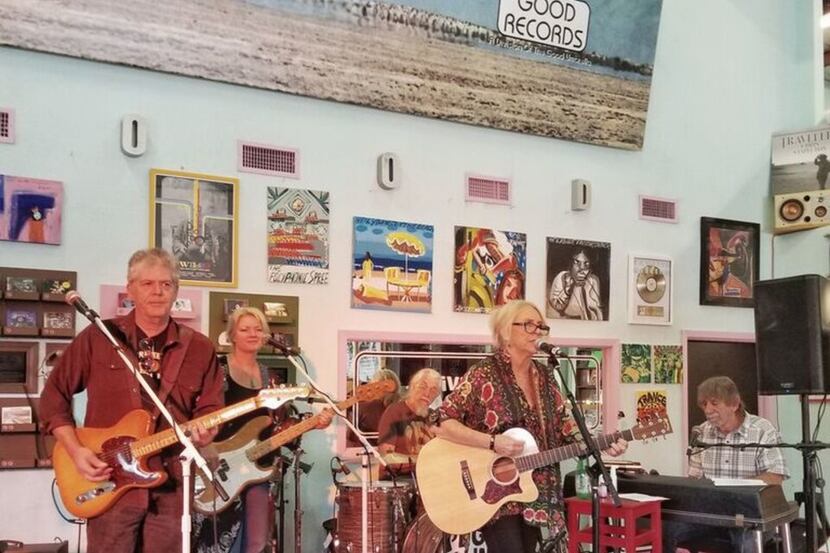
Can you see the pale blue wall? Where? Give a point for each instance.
(728, 73)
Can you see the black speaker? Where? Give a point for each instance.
(792, 334)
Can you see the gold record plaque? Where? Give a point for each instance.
(651, 284)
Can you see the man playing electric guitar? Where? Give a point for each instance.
(179, 362)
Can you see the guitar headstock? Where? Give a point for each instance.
(375, 390)
(651, 428)
(273, 398)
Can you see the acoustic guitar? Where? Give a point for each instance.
(462, 487)
(127, 445)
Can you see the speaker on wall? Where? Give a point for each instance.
(792, 335)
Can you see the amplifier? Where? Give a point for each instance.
(802, 210)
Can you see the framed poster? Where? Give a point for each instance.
(650, 289)
(298, 236)
(728, 262)
(578, 278)
(194, 217)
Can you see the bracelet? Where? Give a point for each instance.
(492, 442)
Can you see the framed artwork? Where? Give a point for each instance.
(650, 289)
(21, 317)
(18, 367)
(652, 405)
(392, 265)
(635, 364)
(231, 305)
(298, 236)
(490, 268)
(30, 210)
(21, 285)
(729, 262)
(194, 217)
(668, 364)
(578, 278)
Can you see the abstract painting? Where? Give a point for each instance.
(490, 268)
(30, 210)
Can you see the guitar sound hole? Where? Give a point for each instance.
(504, 470)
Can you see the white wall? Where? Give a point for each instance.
(727, 75)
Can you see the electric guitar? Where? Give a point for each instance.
(127, 445)
(462, 487)
(237, 456)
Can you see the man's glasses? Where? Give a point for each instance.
(149, 360)
(532, 327)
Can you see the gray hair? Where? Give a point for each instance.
(423, 374)
(154, 256)
(721, 388)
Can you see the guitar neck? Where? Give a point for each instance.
(557, 454)
(279, 439)
(157, 442)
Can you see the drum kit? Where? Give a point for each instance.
(397, 522)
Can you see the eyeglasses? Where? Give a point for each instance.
(149, 360)
(532, 327)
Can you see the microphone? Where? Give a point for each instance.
(284, 349)
(74, 299)
(547, 347)
(343, 467)
(693, 440)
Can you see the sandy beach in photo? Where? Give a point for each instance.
(235, 42)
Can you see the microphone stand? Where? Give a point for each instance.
(367, 447)
(593, 451)
(188, 455)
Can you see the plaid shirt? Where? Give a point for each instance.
(724, 462)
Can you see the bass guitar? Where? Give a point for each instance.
(462, 487)
(127, 445)
(237, 456)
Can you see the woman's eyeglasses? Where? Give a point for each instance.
(534, 327)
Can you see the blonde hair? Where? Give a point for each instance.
(154, 256)
(233, 320)
(502, 319)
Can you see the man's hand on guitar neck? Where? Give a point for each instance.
(88, 464)
(202, 436)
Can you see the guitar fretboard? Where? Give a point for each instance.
(557, 454)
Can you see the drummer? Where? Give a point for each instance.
(404, 425)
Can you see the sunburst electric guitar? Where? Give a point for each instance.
(462, 487)
(237, 468)
(126, 446)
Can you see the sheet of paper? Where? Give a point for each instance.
(642, 497)
(738, 482)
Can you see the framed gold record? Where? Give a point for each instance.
(650, 289)
(651, 284)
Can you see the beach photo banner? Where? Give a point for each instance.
(577, 70)
(298, 236)
(392, 265)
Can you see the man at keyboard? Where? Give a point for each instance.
(727, 422)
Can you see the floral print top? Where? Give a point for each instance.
(488, 399)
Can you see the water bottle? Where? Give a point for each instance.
(582, 481)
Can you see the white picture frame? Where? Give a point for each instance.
(650, 289)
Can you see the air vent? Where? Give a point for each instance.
(6, 125)
(487, 189)
(658, 209)
(268, 160)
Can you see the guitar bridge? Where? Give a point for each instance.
(467, 480)
(95, 492)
